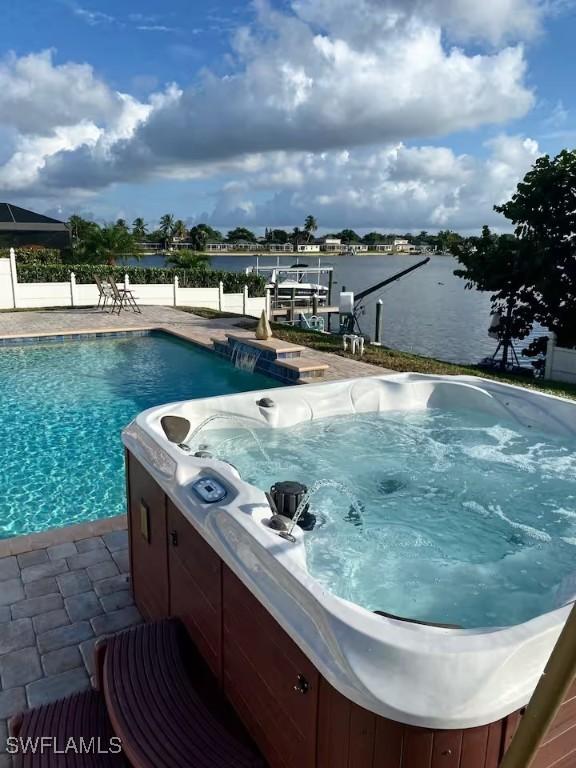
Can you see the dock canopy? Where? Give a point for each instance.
(20, 228)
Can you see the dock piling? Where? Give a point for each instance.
(378, 328)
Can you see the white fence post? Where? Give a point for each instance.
(176, 285)
(268, 307)
(245, 300)
(13, 277)
(220, 296)
(550, 356)
(72, 289)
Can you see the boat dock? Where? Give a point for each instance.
(299, 291)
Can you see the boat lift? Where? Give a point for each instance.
(352, 306)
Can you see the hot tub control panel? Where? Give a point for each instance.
(209, 490)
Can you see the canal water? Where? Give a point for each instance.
(428, 312)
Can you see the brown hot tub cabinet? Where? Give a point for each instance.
(294, 715)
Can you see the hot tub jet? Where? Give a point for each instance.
(288, 496)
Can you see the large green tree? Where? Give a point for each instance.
(543, 212)
(374, 237)
(278, 236)
(446, 240)
(240, 233)
(201, 234)
(494, 263)
(349, 236)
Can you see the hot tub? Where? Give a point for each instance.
(428, 678)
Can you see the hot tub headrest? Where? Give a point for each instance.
(175, 428)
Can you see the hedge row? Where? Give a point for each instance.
(234, 282)
(34, 255)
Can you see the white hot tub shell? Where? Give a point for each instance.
(414, 674)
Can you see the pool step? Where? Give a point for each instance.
(277, 358)
(302, 368)
(280, 349)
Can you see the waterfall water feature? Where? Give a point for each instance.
(245, 357)
(239, 421)
(319, 484)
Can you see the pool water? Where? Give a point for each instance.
(63, 406)
(462, 519)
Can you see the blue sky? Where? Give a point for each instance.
(377, 114)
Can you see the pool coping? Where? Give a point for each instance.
(18, 545)
(83, 334)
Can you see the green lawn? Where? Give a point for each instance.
(209, 314)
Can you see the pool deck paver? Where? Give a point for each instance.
(62, 589)
(184, 324)
(47, 640)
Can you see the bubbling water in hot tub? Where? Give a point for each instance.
(464, 518)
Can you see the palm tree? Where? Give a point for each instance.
(79, 228)
(188, 260)
(166, 228)
(296, 236)
(180, 230)
(139, 228)
(108, 244)
(310, 226)
(121, 224)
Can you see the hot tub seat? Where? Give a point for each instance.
(157, 710)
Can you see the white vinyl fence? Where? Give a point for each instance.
(560, 362)
(15, 295)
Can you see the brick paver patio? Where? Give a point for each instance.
(184, 324)
(60, 590)
(54, 604)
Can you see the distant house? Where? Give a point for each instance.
(403, 246)
(245, 245)
(357, 248)
(279, 247)
(331, 244)
(308, 248)
(238, 245)
(383, 247)
(146, 245)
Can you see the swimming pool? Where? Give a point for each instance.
(63, 405)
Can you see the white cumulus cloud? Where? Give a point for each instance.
(308, 81)
(394, 187)
(325, 102)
